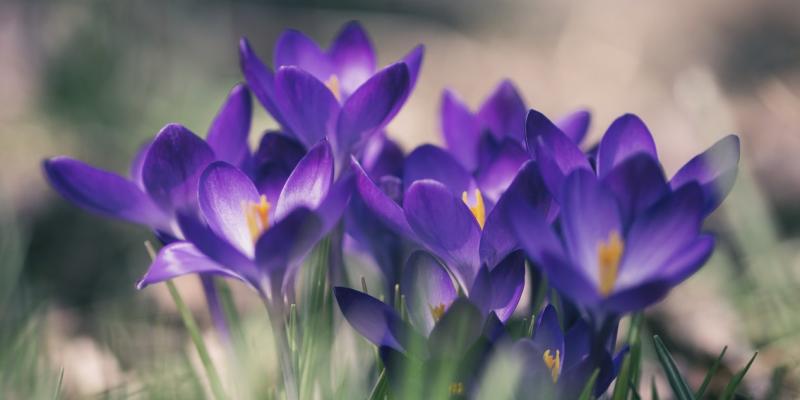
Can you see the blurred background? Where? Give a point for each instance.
(95, 79)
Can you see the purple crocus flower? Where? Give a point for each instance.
(490, 143)
(163, 177)
(247, 237)
(336, 93)
(626, 235)
(558, 364)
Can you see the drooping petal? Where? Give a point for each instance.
(182, 258)
(626, 136)
(310, 181)
(373, 319)
(431, 162)
(294, 48)
(446, 226)
(715, 170)
(493, 178)
(660, 234)
(260, 80)
(307, 105)
(508, 280)
(224, 193)
(504, 112)
(638, 182)
(228, 133)
(103, 192)
(428, 289)
(173, 165)
(370, 108)
(381, 205)
(556, 154)
(590, 218)
(461, 130)
(575, 125)
(273, 162)
(498, 238)
(352, 56)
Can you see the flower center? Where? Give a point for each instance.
(456, 388)
(609, 255)
(553, 363)
(478, 209)
(257, 216)
(333, 85)
(437, 311)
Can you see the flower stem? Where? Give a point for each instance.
(282, 347)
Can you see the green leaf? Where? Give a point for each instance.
(776, 383)
(710, 374)
(588, 390)
(730, 389)
(653, 389)
(676, 381)
(381, 388)
(623, 380)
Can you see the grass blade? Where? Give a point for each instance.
(730, 389)
(380, 390)
(676, 381)
(711, 372)
(588, 391)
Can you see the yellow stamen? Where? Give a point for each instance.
(456, 388)
(437, 311)
(609, 254)
(553, 363)
(479, 209)
(257, 216)
(333, 85)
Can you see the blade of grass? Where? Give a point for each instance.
(623, 379)
(194, 332)
(588, 390)
(710, 374)
(380, 390)
(676, 381)
(653, 389)
(730, 389)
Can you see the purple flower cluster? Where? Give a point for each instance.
(455, 229)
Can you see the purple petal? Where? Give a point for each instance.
(217, 248)
(371, 107)
(352, 56)
(307, 105)
(493, 178)
(173, 165)
(373, 319)
(182, 258)
(228, 133)
(589, 217)
(286, 242)
(224, 190)
(660, 234)
(636, 298)
(103, 192)
(458, 329)
(498, 238)
(293, 48)
(626, 136)
(577, 343)
(138, 163)
(556, 154)
(638, 182)
(504, 112)
(715, 170)
(508, 280)
(381, 205)
(548, 334)
(260, 79)
(689, 259)
(461, 130)
(273, 162)
(446, 226)
(431, 162)
(414, 62)
(575, 125)
(333, 206)
(382, 156)
(426, 285)
(308, 185)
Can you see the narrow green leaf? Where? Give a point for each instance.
(381, 388)
(59, 382)
(653, 389)
(730, 389)
(710, 374)
(676, 381)
(588, 390)
(623, 380)
(776, 383)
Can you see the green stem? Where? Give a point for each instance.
(194, 333)
(278, 324)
